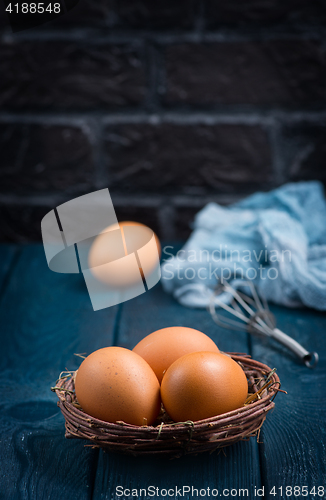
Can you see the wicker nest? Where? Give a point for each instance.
(169, 438)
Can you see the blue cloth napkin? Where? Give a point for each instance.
(276, 239)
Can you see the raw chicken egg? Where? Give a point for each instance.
(161, 348)
(135, 240)
(112, 256)
(129, 223)
(202, 385)
(115, 384)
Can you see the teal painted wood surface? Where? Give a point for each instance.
(294, 438)
(46, 318)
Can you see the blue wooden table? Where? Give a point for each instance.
(46, 317)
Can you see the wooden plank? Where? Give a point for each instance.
(235, 467)
(45, 318)
(294, 435)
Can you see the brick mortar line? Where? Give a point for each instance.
(152, 68)
(250, 117)
(274, 133)
(199, 21)
(166, 213)
(91, 36)
(197, 201)
(47, 118)
(95, 135)
(54, 199)
(176, 200)
(159, 201)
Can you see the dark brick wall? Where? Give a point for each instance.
(169, 104)
(272, 73)
(169, 158)
(70, 75)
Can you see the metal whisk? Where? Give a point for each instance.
(258, 319)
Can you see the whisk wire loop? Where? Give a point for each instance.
(255, 315)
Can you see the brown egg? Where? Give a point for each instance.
(137, 240)
(115, 243)
(201, 385)
(115, 384)
(161, 348)
(129, 223)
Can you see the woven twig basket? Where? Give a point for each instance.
(175, 439)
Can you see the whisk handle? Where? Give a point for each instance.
(310, 359)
